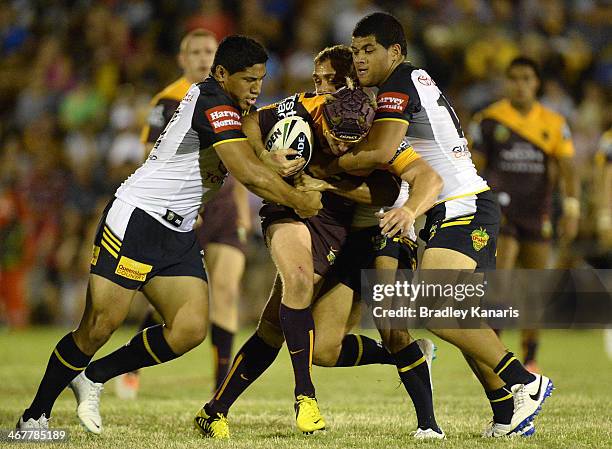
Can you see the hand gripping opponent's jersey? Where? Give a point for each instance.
(309, 106)
(183, 169)
(410, 95)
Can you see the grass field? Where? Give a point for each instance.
(364, 407)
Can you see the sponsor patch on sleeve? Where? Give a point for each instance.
(223, 118)
(391, 102)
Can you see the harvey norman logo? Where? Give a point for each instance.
(391, 102)
(223, 118)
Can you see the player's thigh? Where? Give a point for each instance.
(535, 255)
(291, 249)
(507, 252)
(106, 307)
(447, 259)
(224, 266)
(182, 301)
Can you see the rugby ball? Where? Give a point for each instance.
(291, 132)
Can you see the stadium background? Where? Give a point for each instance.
(76, 78)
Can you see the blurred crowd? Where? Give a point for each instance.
(76, 78)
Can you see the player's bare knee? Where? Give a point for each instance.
(297, 288)
(92, 334)
(326, 354)
(187, 335)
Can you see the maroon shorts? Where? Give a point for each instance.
(525, 227)
(220, 218)
(328, 229)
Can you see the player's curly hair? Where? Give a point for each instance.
(341, 59)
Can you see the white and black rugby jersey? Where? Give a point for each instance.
(410, 95)
(183, 170)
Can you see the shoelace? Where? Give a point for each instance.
(93, 397)
(519, 396)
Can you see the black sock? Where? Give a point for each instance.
(530, 347)
(502, 405)
(360, 350)
(222, 348)
(146, 348)
(151, 319)
(414, 372)
(65, 363)
(298, 328)
(250, 362)
(512, 371)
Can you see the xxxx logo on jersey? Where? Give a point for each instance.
(480, 238)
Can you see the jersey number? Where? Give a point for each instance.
(442, 101)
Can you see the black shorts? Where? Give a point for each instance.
(131, 247)
(363, 246)
(473, 234)
(327, 236)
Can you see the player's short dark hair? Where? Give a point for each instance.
(524, 61)
(236, 53)
(384, 27)
(341, 59)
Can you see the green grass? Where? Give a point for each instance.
(364, 407)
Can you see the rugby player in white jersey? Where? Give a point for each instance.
(146, 241)
(461, 228)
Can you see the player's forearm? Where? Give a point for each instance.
(425, 187)
(250, 127)
(266, 184)
(366, 159)
(346, 189)
(378, 189)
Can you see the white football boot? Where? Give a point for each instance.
(428, 434)
(496, 430)
(87, 394)
(528, 400)
(41, 423)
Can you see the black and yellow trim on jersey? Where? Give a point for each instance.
(402, 159)
(237, 139)
(463, 195)
(391, 119)
(110, 242)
